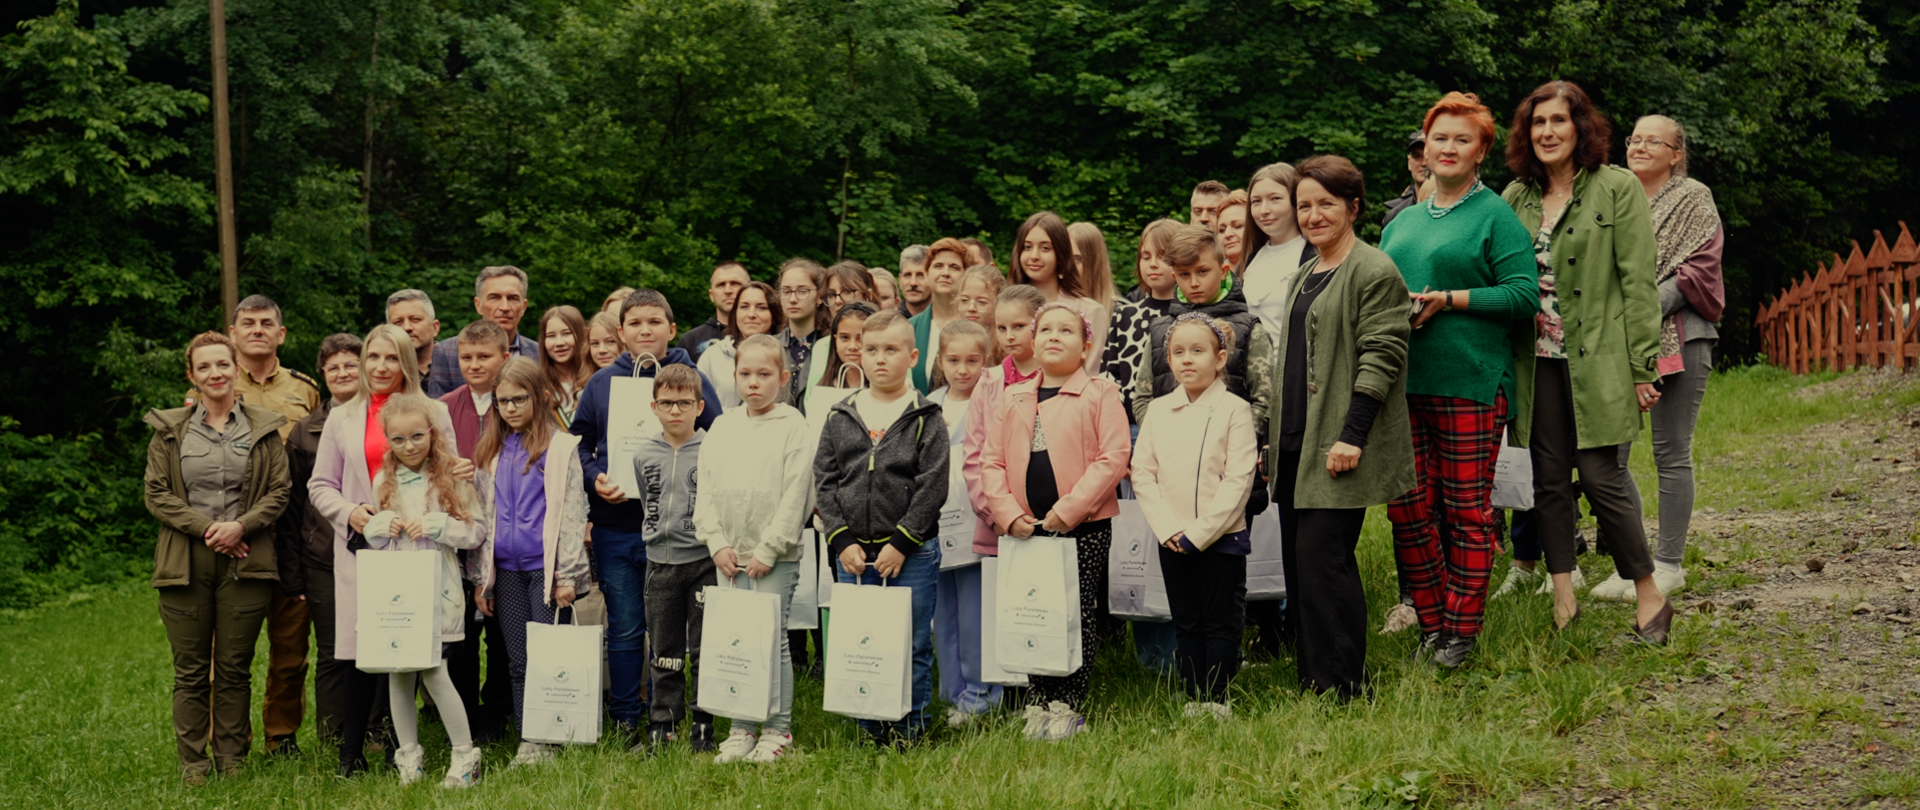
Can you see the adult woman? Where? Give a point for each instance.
(351, 451)
(755, 312)
(1341, 393)
(1473, 262)
(946, 262)
(1595, 250)
(1091, 262)
(305, 529)
(1231, 226)
(217, 483)
(1043, 258)
(1687, 228)
(563, 357)
(1272, 232)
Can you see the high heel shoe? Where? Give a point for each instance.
(1655, 632)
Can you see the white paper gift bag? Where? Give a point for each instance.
(990, 671)
(561, 701)
(824, 574)
(869, 665)
(1266, 571)
(630, 421)
(957, 520)
(1038, 628)
(398, 629)
(1512, 476)
(804, 614)
(739, 651)
(1135, 588)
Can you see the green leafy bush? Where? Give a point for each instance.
(71, 515)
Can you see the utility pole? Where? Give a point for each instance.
(223, 165)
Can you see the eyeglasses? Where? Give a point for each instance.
(512, 402)
(797, 292)
(340, 368)
(835, 298)
(1648, 140)
(675, 405)
(397, 442)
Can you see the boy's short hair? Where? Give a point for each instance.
(646, 298)
(1191, 243)
(676, 377)
(485, 331)
(882, 320)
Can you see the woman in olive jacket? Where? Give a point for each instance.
(217, 482)
(1591, 374)
(1338, 392)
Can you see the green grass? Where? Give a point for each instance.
(84, 707)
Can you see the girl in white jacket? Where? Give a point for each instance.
(1192, 471)
(423, 507)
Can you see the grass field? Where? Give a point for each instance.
(84, 706)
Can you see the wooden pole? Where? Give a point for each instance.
(223, 165)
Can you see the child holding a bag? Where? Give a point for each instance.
(965, 350)
(1013, 335)
(424, 507)
(1193, 470)
(1056, 449)
(667, 467)
(536, 562)
(758, 467)
(882, 477)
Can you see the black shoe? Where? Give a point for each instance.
(351, 767)
(1453, 652)
(659, 736)
(701, 739)
(285, 746)
(627, 735)
(1429, 643)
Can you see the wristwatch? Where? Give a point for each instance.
(1446, 300)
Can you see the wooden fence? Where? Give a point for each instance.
(1852, 312)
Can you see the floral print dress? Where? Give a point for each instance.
(1551, 338)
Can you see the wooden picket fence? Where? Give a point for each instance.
(1860, 311)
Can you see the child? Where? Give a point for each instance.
(1199, 270)
(536, 562)
(424, 507)
(1056, 448)
(843, 349)
(1129, 328)
(667, 468)
(964, 353)
(979, 293)
(1193, 470)
(758, 465)
(619, 517)
(882, 477)
(1013, 330)
(603, 339)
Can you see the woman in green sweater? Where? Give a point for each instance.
(1472, 260)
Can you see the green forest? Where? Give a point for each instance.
(381, 144)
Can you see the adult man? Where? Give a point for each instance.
(259, 331)
(412, 311)
(728, 279)
(979, 253)
(1417, 168)
(483, 350)
(1204, 206)
(499, 295)
(915, 291)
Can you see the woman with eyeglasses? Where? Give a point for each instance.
(352, 447)
(1687, 229)
(946, 263)
(340, 370)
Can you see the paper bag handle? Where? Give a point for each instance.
(840, 380)
(636, 362)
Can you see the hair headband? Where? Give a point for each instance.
(1086, 326)
(1202, 319)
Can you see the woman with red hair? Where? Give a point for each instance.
(1472, 260)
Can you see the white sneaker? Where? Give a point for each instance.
(1614, 589)
(1518, 581)
(1063, 721)
(958, 717)
(411, 762)
(771, 747)
(1192, 709)
(1400, 617)
(1036, 717)
(1217, 711)
(735, 747)
(1546, 582)
(1670, 577)
(531, 753)
(465, 769)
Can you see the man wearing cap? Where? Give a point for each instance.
(1417, 167)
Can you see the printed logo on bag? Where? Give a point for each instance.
(1134, 550)
(863, 690)
(866, 641)
(735, 642)
(733, 689)
(399, 599)
(1133, 592)
(1033, 593)
(394, 644)
(559, 719)
(560, 676)
(1031, 644)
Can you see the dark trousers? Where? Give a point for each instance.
(488, 705)
(1556, 453)
(1091, 546)
(519, 597)
(1324, 593)
(329, 674)
(367, 708)
(1207, 593)
(212, 624)
(676, 607)
(286, 699)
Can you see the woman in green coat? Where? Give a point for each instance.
(1597, 338)
(1339, 394)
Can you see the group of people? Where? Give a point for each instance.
(1268, 356)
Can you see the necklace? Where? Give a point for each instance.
(1437, 212)
(1325, 277)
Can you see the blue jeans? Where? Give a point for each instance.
(921, 574)
(956, 620)
(621, 558)
(782, 580)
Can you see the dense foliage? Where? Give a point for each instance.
(390, 143)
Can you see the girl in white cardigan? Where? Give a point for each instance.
(1192, 471)
(424, 507)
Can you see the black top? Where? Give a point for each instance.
(1042, 492)
(696, 340)
(1361, 410)
(1160, 306)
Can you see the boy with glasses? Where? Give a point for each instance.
(667, 468)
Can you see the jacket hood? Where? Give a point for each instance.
(1230, 290)
(920, 406)
(171, 421)
(659, 441)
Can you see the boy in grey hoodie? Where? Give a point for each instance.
(667, 468)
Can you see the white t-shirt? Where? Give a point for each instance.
(878, 415)
(481, 402)
(1266, 281)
